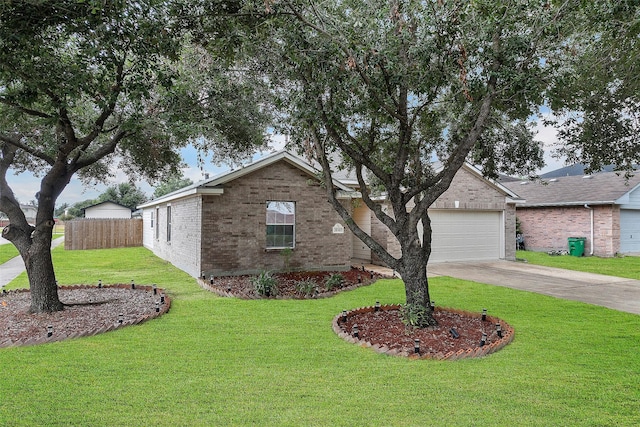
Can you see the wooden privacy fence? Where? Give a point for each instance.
(102, 233)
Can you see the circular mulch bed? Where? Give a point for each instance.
(289, 284)
(459, 334)
(88, 310)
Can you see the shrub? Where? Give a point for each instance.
(334, 281)
(265, 284)
(414, 315)
(306, 286)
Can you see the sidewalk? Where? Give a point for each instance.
(15, 266)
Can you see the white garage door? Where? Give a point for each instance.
(629, 231)
(465, 235)
(362, 217)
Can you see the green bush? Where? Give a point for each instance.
(334, 281)
(306, 286)
(414, 315)
(265, 284)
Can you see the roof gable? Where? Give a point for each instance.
(107, 202)
(214, 185)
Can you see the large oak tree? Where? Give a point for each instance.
(385, 87)
(86, 85)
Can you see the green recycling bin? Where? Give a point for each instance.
(576, 245)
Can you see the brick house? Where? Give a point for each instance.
(241, 221)
(604, 208)
(473, 220)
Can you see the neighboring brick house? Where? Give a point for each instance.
(604, 208)
(240, 221)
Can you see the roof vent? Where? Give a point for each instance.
(524, 183)
(553, 180)
(586, 177)
(206, 176)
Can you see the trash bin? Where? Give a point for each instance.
(576, 245)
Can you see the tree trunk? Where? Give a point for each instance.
(413, 269)
(42, 278)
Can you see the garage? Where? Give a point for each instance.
(629, 230)
(465, 235)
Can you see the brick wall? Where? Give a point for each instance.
(546, 229)
(183, 250)
(234, 224)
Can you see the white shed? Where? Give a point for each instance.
(108, 210)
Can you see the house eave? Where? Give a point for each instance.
(565, 204)
(184, 194)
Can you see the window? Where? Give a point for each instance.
(281, 220)
(151, 219)
(158, 222)
(169, 223)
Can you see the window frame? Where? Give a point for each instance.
(281, 222)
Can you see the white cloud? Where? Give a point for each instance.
(547, 134)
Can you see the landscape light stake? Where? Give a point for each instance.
(362, 267)
(344, 315)
(483, 341)
(120, 318)
(356, 332)
(499, 330)
(359, 279)
(162, 298)
(416, 346)
(155, 289)
(454, 333)
(484, 314)
(100, 283)
(49, 331)
(433, 306)
(133, 285)
(211, 280)
(371, 275)
(377, 306)
(157, 306)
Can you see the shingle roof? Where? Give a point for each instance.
(600, 188)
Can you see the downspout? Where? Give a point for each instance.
(591, 209)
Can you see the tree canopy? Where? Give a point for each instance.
(385, 88)
(88, 85)
(597, 99)
(173, 183)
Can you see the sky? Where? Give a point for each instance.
(25, 185)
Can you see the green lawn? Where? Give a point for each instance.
(621, 266)
(221, 361)
(9, 251)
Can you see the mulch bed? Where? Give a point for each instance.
(88, 310)
(382, 329)
(288, 284)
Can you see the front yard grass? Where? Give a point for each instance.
(7, 251)
(628, 266)
(225, 361)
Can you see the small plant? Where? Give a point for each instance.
(265, 284)
(334, 281)
(414, 315)
(306, 286)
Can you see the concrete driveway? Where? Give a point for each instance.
(612, 292)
